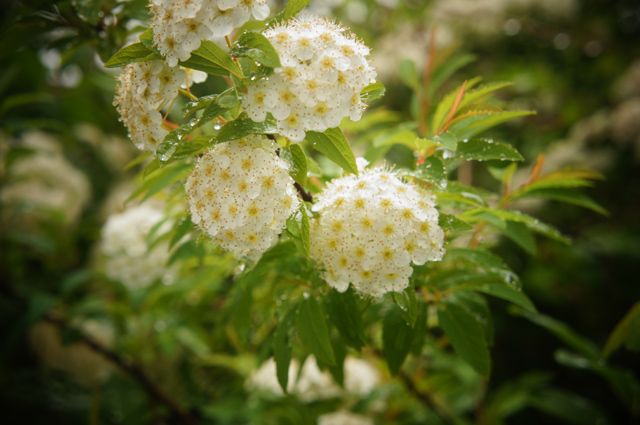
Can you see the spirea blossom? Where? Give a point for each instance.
(145, 88)
(128, 257)
(179, 26)
(323, 70)
(43, 184)
(370, 228)
(241, 194)
(312, 383)
(343, 417)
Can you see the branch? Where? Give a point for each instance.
(306, 196)
(133, 370)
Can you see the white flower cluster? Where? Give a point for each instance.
(323, 70)
(143, 90)
(44, 182)
(128, 258)
(360, 378)
(369, 230)
(179, 26)
(343, 417)
(241, 194)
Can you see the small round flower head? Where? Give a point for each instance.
(370, 228)
(143, 89)
(179, 26)
(128, 258)
(241, 194)
(343, 417)
(323, 70)
(42, 183)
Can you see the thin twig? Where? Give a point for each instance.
(133, 370)
(306, 196)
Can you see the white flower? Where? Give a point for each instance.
(370, 228)
(44, 182)
(179, 26)
(360, 378)
(343, 417)
(241, 194)
(143, 90)
(128, 258)
(323, 70)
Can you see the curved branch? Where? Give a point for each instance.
(133, 370)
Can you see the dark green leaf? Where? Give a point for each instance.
(562, 332)
(567, 406)
(257, 47)
(626, 332)
(282, 351)
(305, 228)
(292, 8)
(314, 332)
(521, 235)
(372, 92)
(345, 315)
(334, 146)
(243, 126)
(408, 304)
(299, 159)
(397, 339)
(567, 196)
(466, 335)
(136, 52)
(210, 58)
(487, 149)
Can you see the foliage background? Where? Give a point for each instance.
(575, 88)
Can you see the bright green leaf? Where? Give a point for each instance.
(256, 46)
(334, 146)
(136, 52)
(486, 150)
(210, 58)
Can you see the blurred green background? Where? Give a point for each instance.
(577, 63)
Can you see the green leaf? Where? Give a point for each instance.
(210, 58)
(345, 315)
(473, 123)
(299, 159)
(334, 146)
(433, 171)
(256, 46)
(562, 332)
(466, 335)
(505, 292)
(292, 8)
(313, 330)
(191, 340)
(446, 69)
(444, 106)
(184, 226)
(146, 38)
(558, 180)
(568, 196)
(372, 92)
(161, 178)
(567, 406)
(397, 339)
(243, 126)
(282, 351)
(487, 149)
(626, 332)
(500, 217)
(305, 229)
(409, 75)
(408, 304)
(136, 52)
(521, 235)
